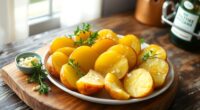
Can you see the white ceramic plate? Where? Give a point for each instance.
(109, 101)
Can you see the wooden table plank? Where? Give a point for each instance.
(186, 63)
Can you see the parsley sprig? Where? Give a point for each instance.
(84, 28)
(148, 55)
(39, 76)
(76, 67)
(142, 40)
(89, 41)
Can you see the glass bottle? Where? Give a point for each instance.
(188, 18)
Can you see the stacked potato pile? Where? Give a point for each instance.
(89, 61)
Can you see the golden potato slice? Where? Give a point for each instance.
(131, 41)
(138, 83)
(60, 42)
(114, 87)
(66, 50)
(50, 67)
(158, 68)
(91, 83)
(112, 62)
(128, 52)
(152, 51)
(85, 56)
(69, 77)
(102, 45)
(107, 34)
(83, 35)
(55, 62)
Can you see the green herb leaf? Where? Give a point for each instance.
(142, 40)
(79, 42)
(92, 38)
(39, 76)
(148, 55)
(76, 67)
(84, 28)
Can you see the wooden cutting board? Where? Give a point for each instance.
(58, 99)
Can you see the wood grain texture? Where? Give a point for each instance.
(58, 99)
(186, 64)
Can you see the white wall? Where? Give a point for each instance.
(13, 20)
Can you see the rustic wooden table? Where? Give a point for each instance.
(186, 64)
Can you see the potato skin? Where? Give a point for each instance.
(112, 62)
(102, 45)
(55, 62)
(66, 50)
(69, 77)
(131, 41)
(85, 56)
(91, 83)
(107, 34)
(128, 52)
(50, 67)
(138, 83)
(158, 51)
(158, 69)
(114, 87)
(60, 42)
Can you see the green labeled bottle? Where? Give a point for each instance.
(188, 18)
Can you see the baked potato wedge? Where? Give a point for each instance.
(158, 69)
(60, 42)
(55, 62)
(66, 50)
(138, 83)
(69, 76)
(152, 51)
(131, 41)
(102, 45)
(91, 83)
(114, 87)
(112, 62)
(128, 52)
(85, 56)
(107, 34)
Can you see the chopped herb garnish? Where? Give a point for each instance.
(91, 39)
(76, 67)
(142, 40)
(79, 42)
(84, 28)
(39, 76)
(148, 55)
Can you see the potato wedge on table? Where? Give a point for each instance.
(152, 51)
(138, 83)
(91, 83)
(158, 68)
(127, 51)
(115, 88)
(131, 41)
(69, 76)
(112, 62)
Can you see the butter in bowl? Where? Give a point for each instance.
(25, 61)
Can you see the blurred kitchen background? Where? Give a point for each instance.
(20, 19)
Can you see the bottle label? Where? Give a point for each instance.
(186, 21)
(188, 5)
